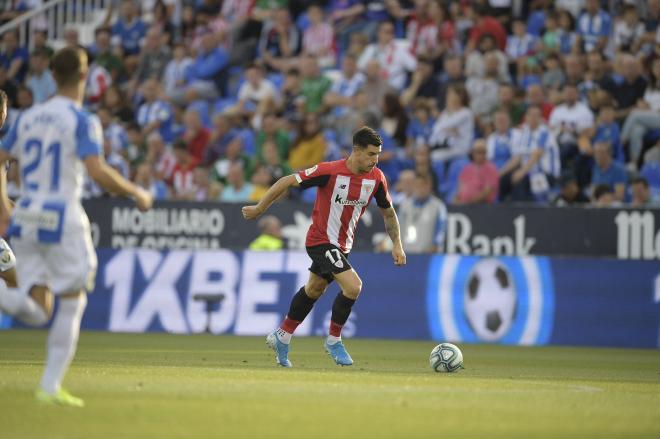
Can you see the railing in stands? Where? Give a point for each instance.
(53, 17)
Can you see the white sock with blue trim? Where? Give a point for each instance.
(62, 341)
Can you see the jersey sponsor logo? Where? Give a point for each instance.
(311, 170)
(340, 200)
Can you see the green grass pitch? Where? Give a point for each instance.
(169, 386)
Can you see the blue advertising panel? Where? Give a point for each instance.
(470, 299)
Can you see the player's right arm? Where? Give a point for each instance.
(273, 193)
(110, 180)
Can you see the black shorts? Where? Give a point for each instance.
(328, 260)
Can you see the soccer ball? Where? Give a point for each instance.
(490, 299)
(446, 357)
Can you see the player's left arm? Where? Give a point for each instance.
(384, 202)
(394, 231)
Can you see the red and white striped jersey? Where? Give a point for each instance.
(341, 200)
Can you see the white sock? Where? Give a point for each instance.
(62, 341)
(283, 336)
(21, 306)
(332, 339)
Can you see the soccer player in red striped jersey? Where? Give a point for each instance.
(345, 189)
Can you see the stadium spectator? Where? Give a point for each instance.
(195, 135)
(394, 58)
(534, 164)
(40, 41)
(160, 157)
(154, 57)
(475, 64)
(485, 25)
(319, 38)
(128, 32)
(498, 143)
(603, 196)
(535, 97)
(340, 97)
(236, 189)
(205, 73)
(13, 57)
(645, 117)
(314, 85)
(484, 91)
(454, 129)
(310, 147)
(404, 187)
(146, 179)
(631, 88)
(272, 130)
(279, 41)
(420, 127)
(116, 102)
(222, 134)
(234, 154)
(182, 174)
(594, 27)
(508, 101)
(422, 217)
(374, 87)
(424, 83)
(103, 55)
(155, 114)
(261, 180)
(203, 189)
(277, 167)
(571, 123)
(270, 238)
(607, 171)
(452, 74)
(641, 194)
(569, 191)
(174, 75)
(395, 119)
(40, 80)
(478, 182)
(257, 95)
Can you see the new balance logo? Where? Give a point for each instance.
(343, 186)
(340, 200)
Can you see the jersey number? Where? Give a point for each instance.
(34, 150)
(336, 258)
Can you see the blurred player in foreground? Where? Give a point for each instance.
(345, 188)
(54, 143)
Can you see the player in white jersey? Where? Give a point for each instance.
(54, 143)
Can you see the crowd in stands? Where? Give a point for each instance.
(482, 101)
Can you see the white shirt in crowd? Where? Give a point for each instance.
(576, 118)
(248, 92)
(453, 130)
(395, 60)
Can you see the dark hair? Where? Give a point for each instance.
(462, 93)
(641, 180)
(601, 190)
(67, 65)
(180, 144)
(366, 136)
(102, 29)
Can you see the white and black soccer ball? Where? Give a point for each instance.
(446, 357)
(490, 299)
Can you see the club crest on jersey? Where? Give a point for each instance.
(367, 188)
(311, 170)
